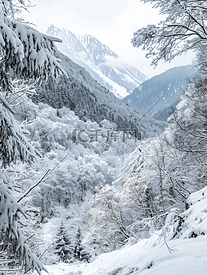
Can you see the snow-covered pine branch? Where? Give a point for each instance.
(30, 55)
(25, 50)
(13, 145)
(13, 241)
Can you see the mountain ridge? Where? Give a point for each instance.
(161, 90)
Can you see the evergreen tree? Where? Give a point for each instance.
(80, 253)
(29, 54)
(63, 247)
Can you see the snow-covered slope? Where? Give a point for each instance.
(164, 252)
(89, 100)
(167, 86)
(100, 61)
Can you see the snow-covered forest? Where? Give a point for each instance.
(88, 185)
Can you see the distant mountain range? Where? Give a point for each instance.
(162, 91)
(100, 61)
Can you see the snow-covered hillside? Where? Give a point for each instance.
(165, 252)
(166, 87)
(89, 100)
(100, 61)
(84, 161)
(179, 248)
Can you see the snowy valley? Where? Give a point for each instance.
(89, 185)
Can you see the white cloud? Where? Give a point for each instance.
(112, 62)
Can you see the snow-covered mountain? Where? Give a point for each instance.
(100, 61)
(89, 100)
(166, 87)
(165, 113)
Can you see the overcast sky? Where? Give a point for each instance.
(112, 22)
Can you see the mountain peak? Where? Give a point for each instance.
(98, 50)
(99, 60)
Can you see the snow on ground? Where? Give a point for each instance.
(188, 257)
(65, 269)
(160, 254)
(195, 218)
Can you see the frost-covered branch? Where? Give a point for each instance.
(183, 29)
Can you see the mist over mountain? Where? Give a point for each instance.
(165, 88)
(100, 61)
